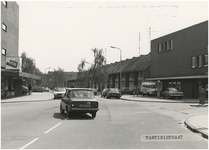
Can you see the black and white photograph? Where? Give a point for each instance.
(104, 74)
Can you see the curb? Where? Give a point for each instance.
(192, 128)
(26, 101)
(165, 101)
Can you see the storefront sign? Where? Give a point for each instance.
(13, 63)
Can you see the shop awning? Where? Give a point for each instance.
(19, 75)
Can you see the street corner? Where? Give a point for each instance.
(198, 124)
(199, 105)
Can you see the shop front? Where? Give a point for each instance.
(12, 82)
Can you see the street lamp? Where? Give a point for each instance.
(45, 74)
(120, 64)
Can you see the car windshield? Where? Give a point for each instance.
(114, 90)
(82, 94)
(173, 90)
(60, 89)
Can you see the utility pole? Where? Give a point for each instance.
(150, 37)
(139, 43)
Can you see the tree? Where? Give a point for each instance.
(29, 66)
(82, 74)
(98, 75)
(58, 77)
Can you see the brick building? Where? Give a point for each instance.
(180, 59)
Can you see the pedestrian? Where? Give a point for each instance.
(134, 90)
(202, 95)
(29, 88)
(137, 90)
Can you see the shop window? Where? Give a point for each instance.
(3, 51)
(170, 84)
(4, 27)
(4, 3)
(178, 86)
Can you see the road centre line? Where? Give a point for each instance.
(29, 143)
(52, 128)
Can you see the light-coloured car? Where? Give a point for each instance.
(79, 100)
(172, 93)
(25, 90)
(59, 92)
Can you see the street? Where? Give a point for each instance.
(119, 124)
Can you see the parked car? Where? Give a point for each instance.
(126, 90)
(104, 92)
(172, 93)
(79, 100)
(59, 93)
(94, 90)
(46, 89)
(113, 92)
(25, 90)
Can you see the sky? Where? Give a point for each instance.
(62, 33)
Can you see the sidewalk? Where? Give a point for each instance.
(141, 98)
(197, 124)
(34, 97)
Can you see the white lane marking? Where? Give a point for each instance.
(53, 128)
(29, 143)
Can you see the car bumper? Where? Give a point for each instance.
(86, 110)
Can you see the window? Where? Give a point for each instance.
(140, 74)
(178, 86)
(168, 45)
(205, 60)
(3, 51)
(199, 61)
(193, 62)
(170, 84)
(4, 27)
(159, 48)
(171, 44)
(4, 3)
(165, 46)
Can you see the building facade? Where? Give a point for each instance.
(180, 59)
(12, 76)
(134, 72)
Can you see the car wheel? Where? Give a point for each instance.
(61, 110)
(93, 114)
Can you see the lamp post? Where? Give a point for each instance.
(120, 65)
(45, 74)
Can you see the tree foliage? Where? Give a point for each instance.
(96, 74)
(29, 66)
(58, 77)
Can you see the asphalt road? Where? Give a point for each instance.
(118, 125)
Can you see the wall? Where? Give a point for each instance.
(10, 39)
(189, 42)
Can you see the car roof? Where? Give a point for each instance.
(87, 89)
